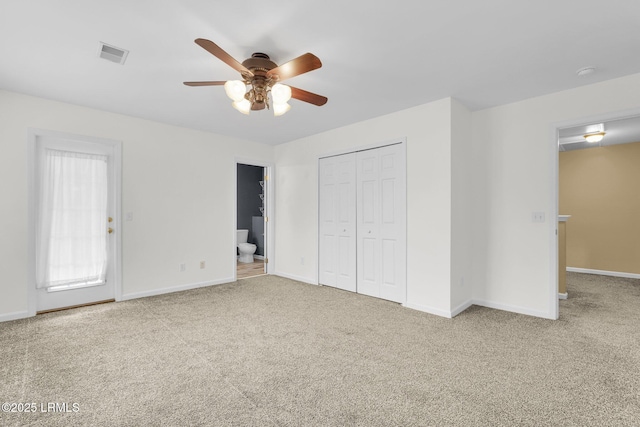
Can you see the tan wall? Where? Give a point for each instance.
(600, 188)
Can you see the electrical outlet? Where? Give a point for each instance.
(301, 260)
(183, 267)
(202, 264)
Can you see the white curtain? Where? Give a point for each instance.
(71, 239)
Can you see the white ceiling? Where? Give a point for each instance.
(378, 57)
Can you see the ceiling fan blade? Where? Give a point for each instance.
(300, 65)
(309, 97)
(204, 83)
(217, 51)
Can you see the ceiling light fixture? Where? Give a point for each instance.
(243, 106)
(594, 137)
(258, 90)
(253, 94)
(260, 87)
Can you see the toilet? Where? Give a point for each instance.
(245, 249)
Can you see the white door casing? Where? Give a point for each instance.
(265, 217)
(269, 210)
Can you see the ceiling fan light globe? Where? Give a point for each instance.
(235, 89)
(280, 93)
(243, 106)
(280, 109)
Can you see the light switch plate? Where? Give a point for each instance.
(537, 217)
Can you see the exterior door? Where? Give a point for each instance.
(381, 229)
(85, 173)
(338, 222)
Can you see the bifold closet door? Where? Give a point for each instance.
(337, 243)
(381, 229)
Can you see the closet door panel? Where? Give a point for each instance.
(393, 223)
(388, 194)
(327, 263)
(381, 231)
(368, 267)
(337, 264)
(362, 216)
(346, 222)
(368, 213)
(388, 263)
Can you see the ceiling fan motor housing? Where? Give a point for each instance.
(259, 64)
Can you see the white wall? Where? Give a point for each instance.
(514, 174)
(473, 182)
(461, 208)
(427, 129)
(179, 184)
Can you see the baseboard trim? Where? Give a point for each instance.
(462, 307)
(171, 289)
(71, 307)
(428, 309)
(14, 316)
(563, 296)
(296, 278)
(513, 309)
(604, 272)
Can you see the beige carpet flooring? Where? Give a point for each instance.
(268, 351)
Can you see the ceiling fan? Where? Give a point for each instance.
(261, 77)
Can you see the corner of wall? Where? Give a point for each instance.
(461, 207)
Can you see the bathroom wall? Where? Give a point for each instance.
(249, 201)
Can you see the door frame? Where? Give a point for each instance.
(32, 139)
(555, 127)
(269, 211)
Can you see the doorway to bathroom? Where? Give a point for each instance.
(252, 201)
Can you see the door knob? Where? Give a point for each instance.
(110, 230)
